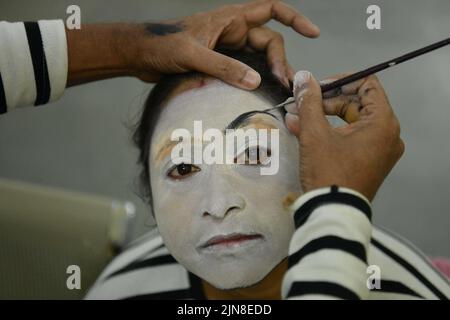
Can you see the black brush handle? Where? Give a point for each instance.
(379, 67)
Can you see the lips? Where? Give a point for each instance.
(230, 239)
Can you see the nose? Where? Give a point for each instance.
(222, 199)
(221, 209)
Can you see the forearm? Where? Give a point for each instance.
(38, 60)
(100, 51)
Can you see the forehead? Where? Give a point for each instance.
(215, 103)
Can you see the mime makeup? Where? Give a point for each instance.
(225, 223)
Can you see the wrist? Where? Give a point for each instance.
(100, 51)
(368, 191)
(126, 46)
(308, 202)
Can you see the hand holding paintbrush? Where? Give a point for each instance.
(334, 88)
(358, 155)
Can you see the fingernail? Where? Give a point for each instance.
(292, 123)
(317, 28)
(279, 74)
(285, 76)
(291, 108)
(291, 74)
(251, 79)
(301, 81)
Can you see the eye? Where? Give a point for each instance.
(254, 155)
(183, 170)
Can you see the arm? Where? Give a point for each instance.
(328, 252)
(149, 50)
(99, 51)
(146, 50)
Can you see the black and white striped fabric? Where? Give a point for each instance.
(33, 63)
(329, 255)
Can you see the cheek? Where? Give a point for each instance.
(271, 190)
(288, 174)
(169, 217)
(175, 216)
(266, 194)
(271, 216)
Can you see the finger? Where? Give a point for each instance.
(369, 89)
(308, 97)
(291, 108)
(264, 39)
(292, 123)
(258, 13)
(349, 89)
(291, 73)
(224, 68)
(372, 93)
(346, 107)
(369, 92)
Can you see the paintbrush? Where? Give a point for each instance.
(333, 89)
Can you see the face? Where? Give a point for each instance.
(225, 223)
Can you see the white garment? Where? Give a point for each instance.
(33, 63)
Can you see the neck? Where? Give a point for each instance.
(268, 288)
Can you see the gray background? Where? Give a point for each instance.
(82, 142)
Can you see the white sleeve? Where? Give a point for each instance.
(328, 251)
(33, 63)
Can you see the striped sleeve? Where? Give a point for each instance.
(328, 251)
(33, 63)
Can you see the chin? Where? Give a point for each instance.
(236, 274)
(234, 282)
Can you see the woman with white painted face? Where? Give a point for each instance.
(220, 219)
(224, 230)
(228, 232)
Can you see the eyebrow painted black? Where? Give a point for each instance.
(242, 118)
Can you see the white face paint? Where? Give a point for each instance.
(231, 201)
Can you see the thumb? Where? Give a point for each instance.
(308, 98)
(225, 68)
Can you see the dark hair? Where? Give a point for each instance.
(271, 88)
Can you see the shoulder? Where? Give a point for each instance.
(405, 271)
